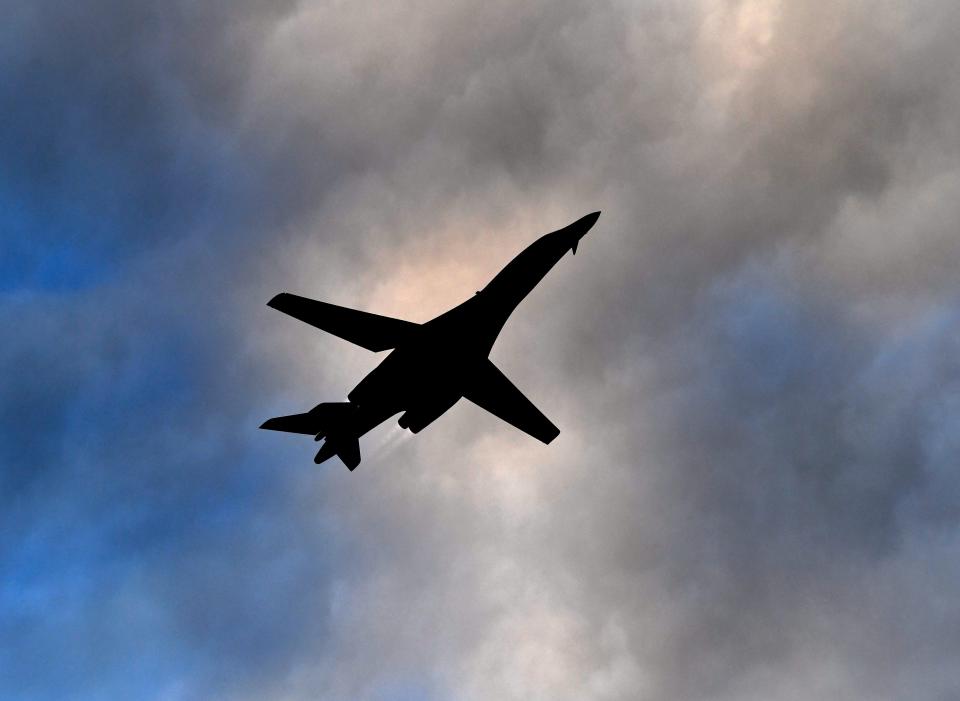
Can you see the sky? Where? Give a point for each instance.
(754, 358)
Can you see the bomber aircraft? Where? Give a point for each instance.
(432, 365)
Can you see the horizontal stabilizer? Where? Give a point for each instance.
(297, 423)
(491, 390)
(322, 419)
(347, 448)
(370, 331)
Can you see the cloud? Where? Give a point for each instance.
(751, 358)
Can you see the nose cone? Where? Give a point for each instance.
(589, 220)
(583, 225)
(579, 228)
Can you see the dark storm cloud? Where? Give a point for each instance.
(127, 464)
(756, 436)
(144, 535)
(752, 358)
(116, 129)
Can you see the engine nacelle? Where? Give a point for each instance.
(421, 416)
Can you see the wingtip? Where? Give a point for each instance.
(276, 299)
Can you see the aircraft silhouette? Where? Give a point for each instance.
(433, 364)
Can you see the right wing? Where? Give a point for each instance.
(491, 390)
(370, 331)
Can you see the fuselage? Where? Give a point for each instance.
(424, 376)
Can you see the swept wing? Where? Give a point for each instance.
(491, 390)
(370, 331)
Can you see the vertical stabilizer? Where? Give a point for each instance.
(347, 448)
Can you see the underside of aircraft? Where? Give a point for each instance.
(431, 366)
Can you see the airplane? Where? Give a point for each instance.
(432, 365)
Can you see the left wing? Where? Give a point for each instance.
(491, 390)
(370, 331)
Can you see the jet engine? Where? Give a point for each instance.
(422, 415)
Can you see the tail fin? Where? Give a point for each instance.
(345, 447)
(330, 420)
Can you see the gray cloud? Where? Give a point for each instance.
(752, 358)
